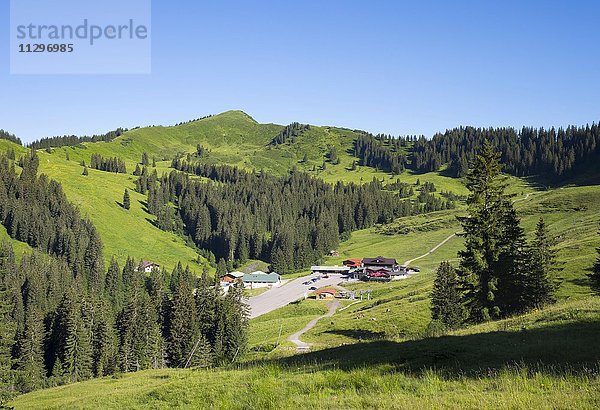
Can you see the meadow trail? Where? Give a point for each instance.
(435, 248)
(295, 338)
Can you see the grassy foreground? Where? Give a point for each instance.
(543, 360)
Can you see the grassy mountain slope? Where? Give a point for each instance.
(124, 232)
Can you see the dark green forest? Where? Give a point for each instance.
(289, 221)
(73, 140)
(551, 154)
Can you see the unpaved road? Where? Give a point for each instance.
(290, 292)
(295, 338)
(435, 248)
(452, 236)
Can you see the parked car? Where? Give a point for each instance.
(312, 288)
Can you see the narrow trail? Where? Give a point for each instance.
(435, 248)
(452, 236)
(295, 338)
(522, 199)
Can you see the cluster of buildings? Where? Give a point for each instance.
(368, 269)
(254, 280)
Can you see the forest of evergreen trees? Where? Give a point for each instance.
(289, 221)
(552, 154)
(114, 164)
(382, 152)
(5, 135)
(73, 140)
(65, 318)
(549, 154)
(289, 133)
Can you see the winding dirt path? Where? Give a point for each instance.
(435, 248)
(295, 338)
(452, 236)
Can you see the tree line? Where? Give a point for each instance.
(56, 329)
(382, 152)
(289, 133)
(553, 154)
(73, 140)
(114, 164)
(36, 211)
(5, 135)
(500, 273)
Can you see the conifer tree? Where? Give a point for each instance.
(73, 339)
(445, 297)
(126, 200)
(540, 281)
(145, 160)
(491, 264)
(221, 268)
(114, 281)
(85, 171)
(30, 358)
(183, 329)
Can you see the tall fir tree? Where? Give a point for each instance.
(541, 281)
(126, 199)
(446, 304)
(30, 358)
(491, 263)
(183, 327)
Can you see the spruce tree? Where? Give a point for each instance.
(126, 200)
(183, 328)
(85, 171)
(221, 268)
(540, 281)
(30, 357)
(492, 263)
(445, 298)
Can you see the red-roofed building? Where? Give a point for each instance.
(325, 293)
(353, 263)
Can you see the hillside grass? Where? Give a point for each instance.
(124, 232)
(546, 359)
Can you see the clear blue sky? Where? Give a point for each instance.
(401, 68)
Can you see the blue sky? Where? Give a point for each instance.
(401, 68)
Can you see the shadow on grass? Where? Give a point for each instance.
(559, 349)
(358, 334)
